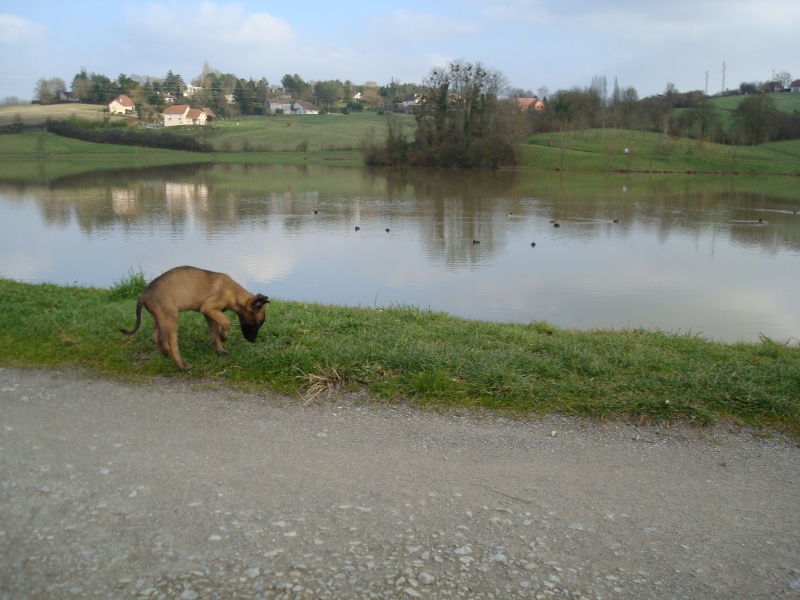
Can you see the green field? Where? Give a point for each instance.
(36, 114)
(298, 132)
(604, 150)
(784, 101)
(36, 155)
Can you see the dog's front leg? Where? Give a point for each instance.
(218, 326)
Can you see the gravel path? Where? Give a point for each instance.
(191, 490)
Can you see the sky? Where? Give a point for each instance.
(535, 44)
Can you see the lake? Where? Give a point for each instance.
(713, 256)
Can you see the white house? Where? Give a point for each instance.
(121, 105)
(191, 90)
(795, 86)
(277, 106)
(304, 108)
(183, 114)
(411, 100)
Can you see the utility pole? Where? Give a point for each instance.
(723, 78)
(706, 83)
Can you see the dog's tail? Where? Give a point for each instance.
(138, 318)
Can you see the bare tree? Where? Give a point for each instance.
(48, 91)
(784, 78)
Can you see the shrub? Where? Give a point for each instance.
(165, 140)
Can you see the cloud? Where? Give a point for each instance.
(15, 30)
(651, 22)
(411, 26)
(208, 23)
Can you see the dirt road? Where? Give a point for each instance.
(188, 490)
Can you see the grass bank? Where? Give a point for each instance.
(37, 156)
(604, 150)
(428, 358)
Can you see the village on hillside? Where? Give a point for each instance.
(279, 104)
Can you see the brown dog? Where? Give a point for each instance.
(189, 288)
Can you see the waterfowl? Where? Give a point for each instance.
(616, 221)
(556, 224)
(358, 228)
(476, 241)
(387, 230)
(533, 244)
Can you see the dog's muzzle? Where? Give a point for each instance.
(250, 330)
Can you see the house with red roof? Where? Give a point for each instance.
(530, 103)
(121, 105)
(183, 114)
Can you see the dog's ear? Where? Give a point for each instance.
(259, 301)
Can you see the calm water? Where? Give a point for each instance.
(707, 256)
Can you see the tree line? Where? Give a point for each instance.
(467, 116)
(226, 94)
(755, 120)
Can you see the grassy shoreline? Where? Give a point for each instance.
(428, 358)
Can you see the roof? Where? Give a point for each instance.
(176, 109)
(525, 103)
(123, 100)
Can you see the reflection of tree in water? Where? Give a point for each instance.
(667, 206)
(459, 207)
(450, 208)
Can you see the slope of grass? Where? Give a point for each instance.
(32, 157)
(784, 101)
(422, 356)
(36, 114)
(296, 132)
(604, 150)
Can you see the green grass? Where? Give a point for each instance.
(40, 157)
(428, 358)
(784, 101)
(37, 156)
(295, 132)
(128, 287)
(36, 114)
(603, 150)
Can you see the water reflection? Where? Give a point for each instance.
(712, 255)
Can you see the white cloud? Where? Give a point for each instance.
(411, 27)
(208, 23)
(16, 30)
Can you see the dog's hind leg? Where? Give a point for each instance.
(170, 339)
